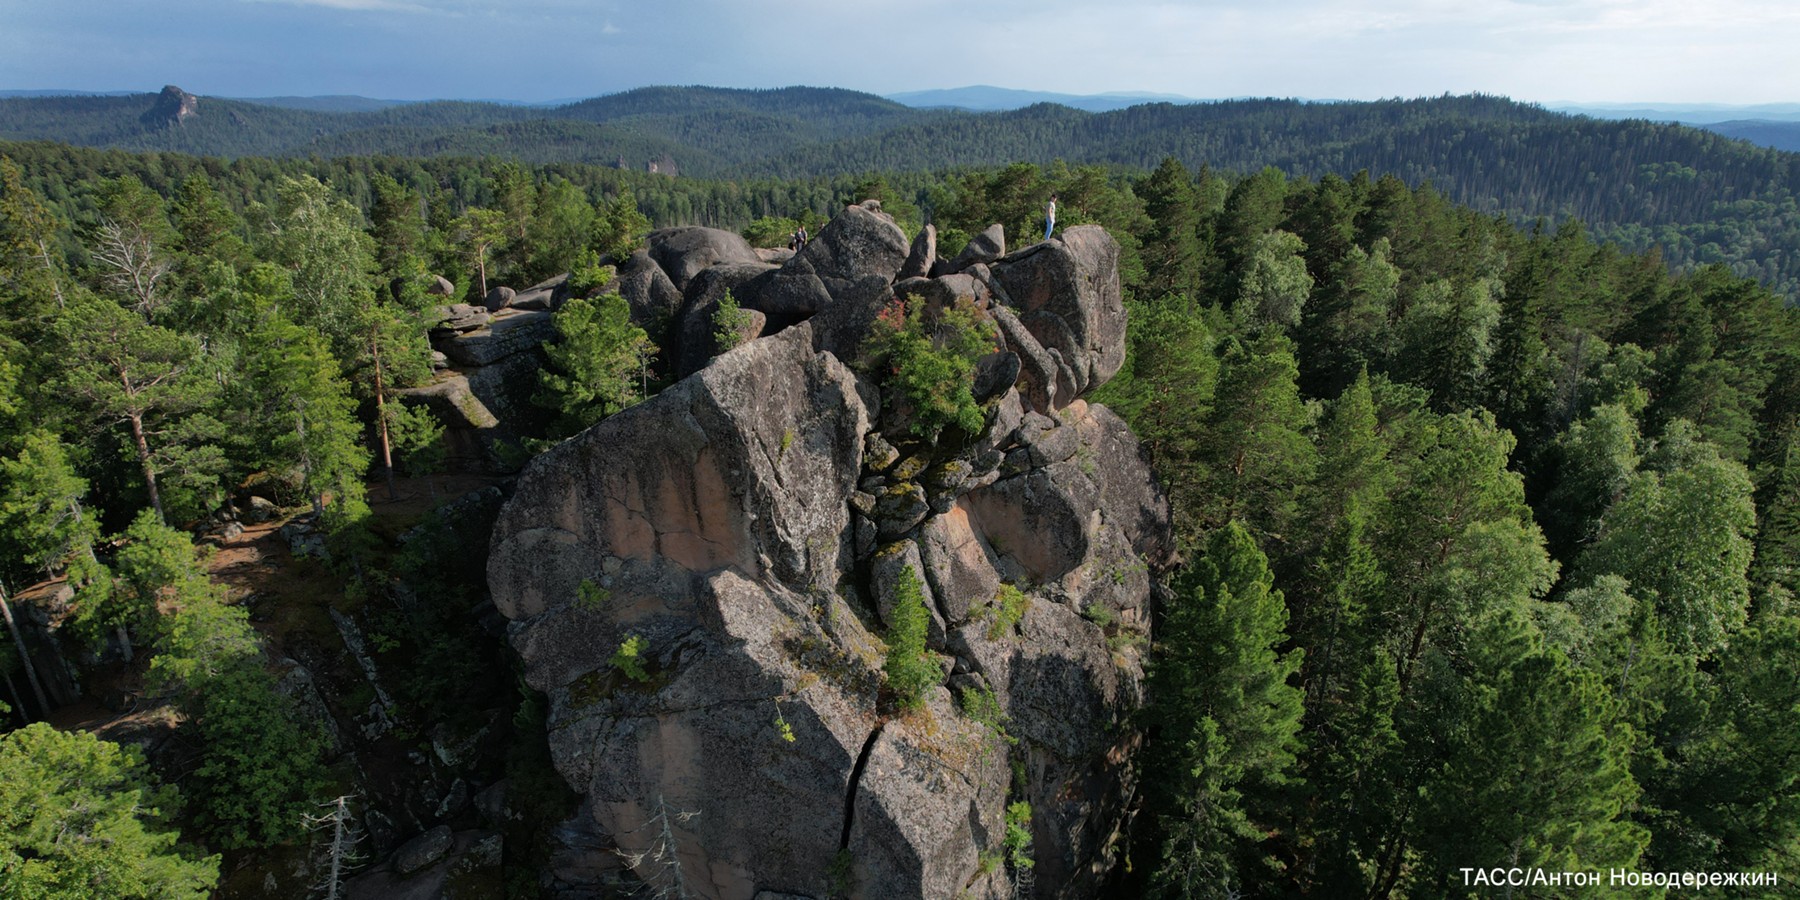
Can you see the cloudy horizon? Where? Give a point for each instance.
(1546, 51)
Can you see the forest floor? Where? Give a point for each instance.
(287, 596)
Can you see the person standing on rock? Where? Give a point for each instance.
(1049, 217)
(800, 237)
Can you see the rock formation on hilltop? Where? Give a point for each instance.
(699, 583)
(172, 107)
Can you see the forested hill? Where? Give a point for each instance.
(1702, 197)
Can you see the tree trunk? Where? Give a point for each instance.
(18, 702)
(143, 452)
(381, 422)
(124, 636)
(50, 268)
(318, 496)
(37, 687)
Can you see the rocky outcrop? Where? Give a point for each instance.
(985, 247)
(482, 393)
(654, 299)
(172, 107)
(857, 249)
(1067, 294)
(683, 252)
(700, 585)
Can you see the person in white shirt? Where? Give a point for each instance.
(1049, 217)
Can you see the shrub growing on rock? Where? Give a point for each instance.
(910, 668)
(929, 361)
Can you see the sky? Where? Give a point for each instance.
(1677, 51)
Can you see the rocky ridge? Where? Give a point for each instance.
(699, 583)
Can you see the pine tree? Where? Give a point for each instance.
(307, 419)
(1225, 718)
(1254, 454)
(42, 515)
(1172, 252)
(132, 245)
(619, 228)
(1532, 774)
(1164, 393)
(1596, 460)
(31, 270)
(259, 762)
(81, 817)
(597, 363)
(123, 370)
(1731, 799)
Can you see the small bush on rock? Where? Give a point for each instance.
(929, 361)
(910, 668)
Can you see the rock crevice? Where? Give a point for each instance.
(744, 530)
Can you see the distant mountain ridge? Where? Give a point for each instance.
(1685, 113)
(987, 98)
(1702, 196)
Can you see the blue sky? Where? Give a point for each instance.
(1727, 51)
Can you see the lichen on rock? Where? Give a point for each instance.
(747, 526)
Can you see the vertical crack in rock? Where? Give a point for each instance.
(856, 774)
(713, 514)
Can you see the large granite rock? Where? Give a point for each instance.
(507, 333)
(985, 247)
(655, 300)
(697, 333)
(856, 249)
(742, 535)
(922, 255)
(684, 252)
(1066, 292)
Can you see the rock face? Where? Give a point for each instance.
(699, 585)
(172, 107)
(683, 252)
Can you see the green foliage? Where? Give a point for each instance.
(981, 705)
(481, 234)
(587, 276)
(597, 364)
(1008, 608)
(81, 817)
(619, 227)
(558, 232)
(306, 420)
(911, 669)
(629, 658)
(590, 596)
(782, 728)
(1683, 536)
(41, 513)
(929, 362)
(1731, 799)
(118, 369)
(1275, 285)
(841, 875)
(1505, 789)
(418, 437)
(1253, 449)
(1228, 717)
(729, 324)
(1018, 835)
(259, 766)
(155, 556)
(770, 231)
